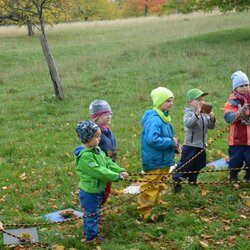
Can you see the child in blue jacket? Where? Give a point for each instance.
(157, 150)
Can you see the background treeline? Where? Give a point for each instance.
(24, 12)
(77, 10)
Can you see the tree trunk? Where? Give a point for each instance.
(30, 28)
(52, 68)
(146, 8)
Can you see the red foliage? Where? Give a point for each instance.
(154, 6)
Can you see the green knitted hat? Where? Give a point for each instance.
(160, 95)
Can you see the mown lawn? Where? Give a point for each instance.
(122, 64)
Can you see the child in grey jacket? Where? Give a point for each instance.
(196, 124)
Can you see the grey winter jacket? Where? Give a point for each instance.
(195, 128)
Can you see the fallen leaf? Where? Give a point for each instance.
(137, 222)
(204, 244)
(67, 154)
(226, 228)
(206, 220)
(23, 176)
(237, 186)
(204, 236)
(58, 247)
(204, 192)
(247, 203)
(231, 239)
(243, 216)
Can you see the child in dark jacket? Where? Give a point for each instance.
(196, 124)
(95, 170)
(237, 114)
(101, 114)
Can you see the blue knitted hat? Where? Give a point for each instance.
(238, 79)
(86, 130)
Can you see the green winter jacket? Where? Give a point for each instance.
(95, 169)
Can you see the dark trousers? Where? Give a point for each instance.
(237, 156)
(196, 164)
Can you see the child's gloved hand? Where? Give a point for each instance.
(177, 146)
(242, 110)
(123, 175)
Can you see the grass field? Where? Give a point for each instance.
(120, 62)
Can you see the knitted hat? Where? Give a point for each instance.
(193, 94)
(160, 95)
(238, 79)
(86, 130)
(98, 108)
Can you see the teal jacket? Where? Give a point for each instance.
(157, 142)
(95, 169)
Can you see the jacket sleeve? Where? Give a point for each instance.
(153, 137)
(88, 165)
(230, 112)
(190, 119)
(210, 123)
(113, 166)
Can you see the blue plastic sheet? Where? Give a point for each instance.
(219, 164)
(56, 217)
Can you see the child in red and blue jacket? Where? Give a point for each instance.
(237, 114)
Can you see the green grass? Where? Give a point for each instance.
(119, 63)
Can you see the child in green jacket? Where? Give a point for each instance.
(95, 170)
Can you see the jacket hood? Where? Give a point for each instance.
(78, 150)
(188, 108)
(148, 114)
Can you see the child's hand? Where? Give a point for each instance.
(1, 226)
(211, 115)
(242, 110)
(124, 175)
(198, 110)
(177, 146)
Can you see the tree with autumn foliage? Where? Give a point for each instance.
(85, 9)
(13, 12)
(187, 6)
(28, 12)
(143, 7)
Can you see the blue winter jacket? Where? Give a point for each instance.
(157, 142)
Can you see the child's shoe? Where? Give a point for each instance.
(96, 240)
(246, 178)
(177, 187)
(233, 176)
(193, 183)
(247, 175)
(177, 184)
